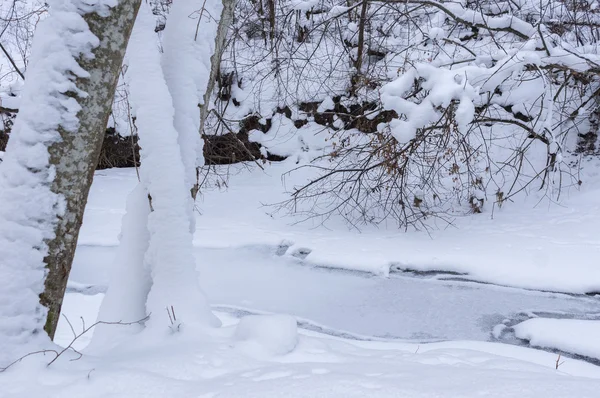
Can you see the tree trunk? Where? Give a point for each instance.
(75, 157)
(355, 83)
(271, 4)
(215, 61)
(361, 36)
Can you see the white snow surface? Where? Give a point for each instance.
(534, 245)
(272, 356)
(578, 336)
(284, 139)
(130, 279)
(10, 102)
(255, 280)
(214, 364)
(268, 334)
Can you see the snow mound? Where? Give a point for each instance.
(576, 336)
(10, 102)
(326, 105)
(284, 139)
(271, 334)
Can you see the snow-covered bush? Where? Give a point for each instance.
(428, 108)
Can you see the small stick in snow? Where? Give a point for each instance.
(70, 346)
(558, 363)
(169, 312)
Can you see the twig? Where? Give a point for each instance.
(28, 355)
(558, 363)
(173, 319)
(169, 312)
(70, 346)
(199, 19)
(57, 354)
(12, 62)
(237, 139)
(70, 325)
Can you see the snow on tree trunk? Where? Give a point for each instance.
(49, 163)
(169, 256)
(125, 299)
(130, 280)
(193, 43)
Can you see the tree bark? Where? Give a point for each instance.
(75, 157)
(361, 36)
(215, 61)
(271, 4)
(355, 83)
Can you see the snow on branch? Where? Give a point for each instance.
(459, 106)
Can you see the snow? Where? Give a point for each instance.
(336, 340)
(319, 365)
(215, 365)
(284, 139)
(534, 246)
(578, 336)
(326, 105)
(271, 334)
(476, 17)
(263, 88)
(489, 77)
(309, 309)
(169, 256)
(10, 102)
(255, 280)
(129, 275)
(189, 41)
(78, 312)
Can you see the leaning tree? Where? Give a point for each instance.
(48, 167)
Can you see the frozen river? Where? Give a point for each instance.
(421, 308)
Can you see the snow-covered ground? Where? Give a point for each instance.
(534, 245)
(579, 336)
(271, 359)
(223, 363)
(376, 333)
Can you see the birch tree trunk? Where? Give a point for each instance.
(215, 60)
(75, 156)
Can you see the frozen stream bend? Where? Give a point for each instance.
(418, 308)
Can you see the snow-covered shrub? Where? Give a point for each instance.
(476, 101)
